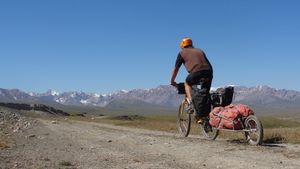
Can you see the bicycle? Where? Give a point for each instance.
(251, 125)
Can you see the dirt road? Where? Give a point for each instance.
(84, 145)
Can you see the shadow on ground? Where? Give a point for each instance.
(269, 142)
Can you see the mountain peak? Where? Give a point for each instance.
(52, 92)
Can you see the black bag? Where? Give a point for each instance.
(222, 96)
(180, 88)
(201, 101)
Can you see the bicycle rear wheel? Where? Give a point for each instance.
(184, 119)
(256, 133)
(208, 131)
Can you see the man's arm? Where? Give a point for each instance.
(178, 63)
(173, 75)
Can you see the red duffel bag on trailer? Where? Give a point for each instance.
(228, 117)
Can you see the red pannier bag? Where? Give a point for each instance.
(228, 117)
(214, 119)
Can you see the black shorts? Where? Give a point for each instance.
(194, 78)
(200, 97)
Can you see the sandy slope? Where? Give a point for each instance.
(90, 145)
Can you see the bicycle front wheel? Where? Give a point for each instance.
(184, 119)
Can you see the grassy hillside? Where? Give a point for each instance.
(121, 107)
(277, 122)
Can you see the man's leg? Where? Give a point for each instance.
(188, 90)
(200, 98)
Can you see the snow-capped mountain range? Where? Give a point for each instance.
(163, 95)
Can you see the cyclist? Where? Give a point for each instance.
(200, 70)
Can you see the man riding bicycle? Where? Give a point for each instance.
(200, 73)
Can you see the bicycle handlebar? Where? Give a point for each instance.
(180, 87)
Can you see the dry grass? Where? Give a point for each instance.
(278, 135)
(65, 163)
(273, 132)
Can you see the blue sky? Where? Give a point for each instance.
(104, 46)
